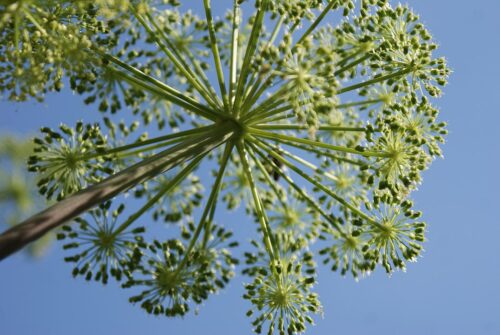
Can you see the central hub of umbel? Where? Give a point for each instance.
(237, 126)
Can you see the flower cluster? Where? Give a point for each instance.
(101, 244)
(60, 159)
(173, 275)
(319, 128)
(281, 290)
(389, 236)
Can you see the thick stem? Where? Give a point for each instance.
(36, 226)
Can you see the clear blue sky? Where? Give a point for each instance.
(453, 289)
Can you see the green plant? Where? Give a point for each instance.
(344, 107)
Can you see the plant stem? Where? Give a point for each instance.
(180, 134)
(304, 127)
(212, 199)
(137, 83)
(358, 103)
(268, 178)
(325, 153)
(164, 190)
(215, 53)
(317, 184)
(139, 75)
(76, 204)
(250, 50)
(252, 89)
(352, 64)
(178, 61)
(233, 72)
(299, 190)
(281, 138)
(264, 224)
(375, 80)
(317, 21)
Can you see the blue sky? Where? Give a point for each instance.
(453, 289)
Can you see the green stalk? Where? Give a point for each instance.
(35, 22)
(201, 73)
(298, 189)
(212, 199)
(16, 32)
(233, 73)
(137, 152)
(203, 112)
(141, 75)
(177, 53)
(213, 208)
(268, 178)
(263, 117)
(375, 80)
(274, 100)
(208, 228)
(276, 30)
(351, 65)
(317, 21)
(304, 36)
(324, 153)
(308, 164)
(281, 138)
(304, 127)
(317, 184)
(174, 56)
(266, 230)
(358, 103)
(151, 202)
(277, 117)
(178, 135)
(250, 50)
(76, 204)
(250, 93)
(255, 94)
(215, 53)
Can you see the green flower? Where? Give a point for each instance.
(293, 11)
(101, 244)
(293, 216)
(173, 278)
(346, 250)
(281, 290)
(168, 291)
(396, 237)
(61, 159)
